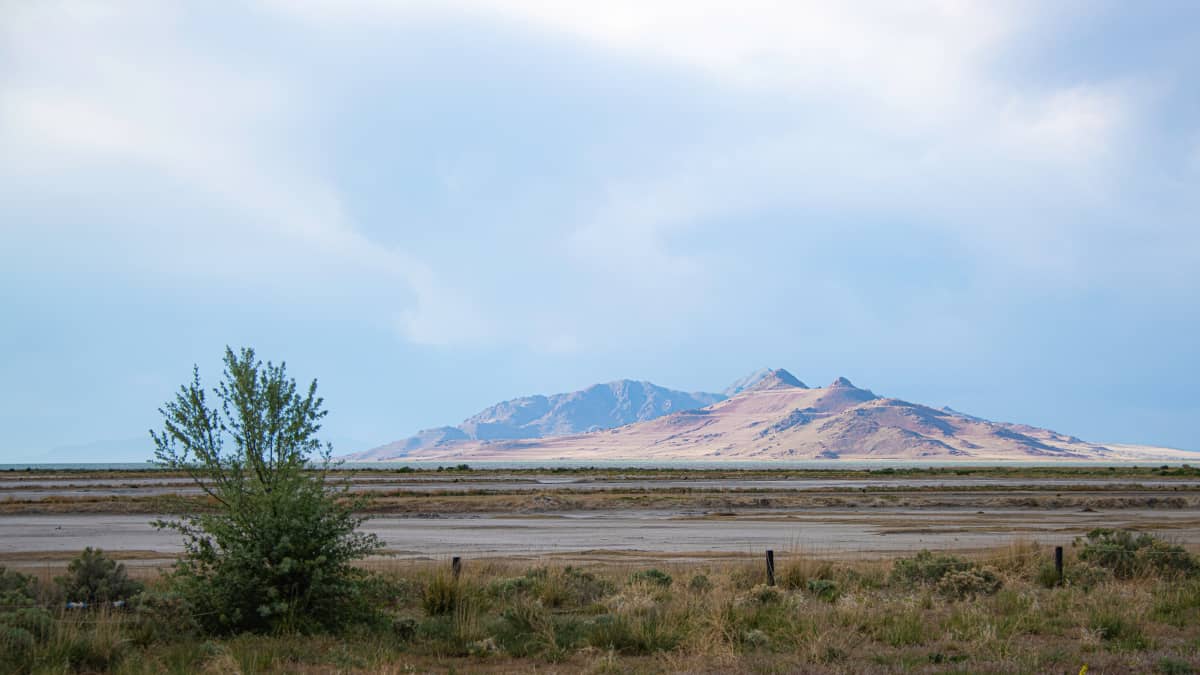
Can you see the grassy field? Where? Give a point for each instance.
(1000, 612)
(1120, 608)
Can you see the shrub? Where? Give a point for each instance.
(1130, 554)
(652, 576)
(22, 623)
(572, 587)
(1086, 575)
(927, 567)
(277, 551)
(763, 594)
(824, 589)
(700, 584)
(94, 577)
(162, 617)
(969, 583)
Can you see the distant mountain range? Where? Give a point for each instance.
(599, 407)
(767, 415)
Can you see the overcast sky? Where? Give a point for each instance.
(434, 206)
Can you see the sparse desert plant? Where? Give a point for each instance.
(652, 576)
(825, 589)
(968, 583)
(927, 567)
(763, 594)
(700, 583)
(1129, 554)
(94, 577)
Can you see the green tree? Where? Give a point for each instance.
(276, 550)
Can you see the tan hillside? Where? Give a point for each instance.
(779, 418)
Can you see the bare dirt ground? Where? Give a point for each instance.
(46, 520)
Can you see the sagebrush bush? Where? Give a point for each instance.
(927, 567)
(825, 589)
(1129, 554)
(653, 576)
(93, 577)
(968, 583)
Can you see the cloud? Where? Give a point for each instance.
(116, 90)
(849, 118)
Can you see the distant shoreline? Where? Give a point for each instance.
(614, 464)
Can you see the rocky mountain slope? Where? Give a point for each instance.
(601, 406)
(770, 415)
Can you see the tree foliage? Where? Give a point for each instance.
(276, 551)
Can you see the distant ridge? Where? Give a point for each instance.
(598, 407)
(767, 415)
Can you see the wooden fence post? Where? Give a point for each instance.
(456, 566)
(1058, 563)
(770, 568)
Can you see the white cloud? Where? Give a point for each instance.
(875, 108)
(113, 88)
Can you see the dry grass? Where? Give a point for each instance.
(506, 616)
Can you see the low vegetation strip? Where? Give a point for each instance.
(1126, 602)
(714, 499)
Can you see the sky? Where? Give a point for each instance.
(434, 206)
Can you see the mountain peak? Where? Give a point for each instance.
(776, 379)
(843, 382)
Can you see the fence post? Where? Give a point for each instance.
(770, 567)
(456, 566)
(1058, 563)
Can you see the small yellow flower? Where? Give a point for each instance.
(1083, 670)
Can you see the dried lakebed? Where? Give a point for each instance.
(48, 519)
(35, 540)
